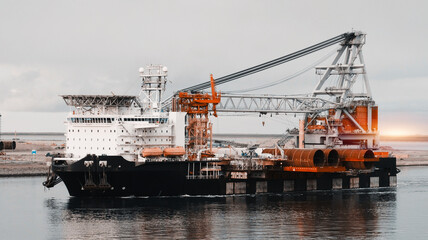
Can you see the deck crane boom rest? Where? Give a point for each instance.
(199, 129)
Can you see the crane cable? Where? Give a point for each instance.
(346, 36)
(287, 78)
(272, 63)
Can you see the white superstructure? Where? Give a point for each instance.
(123, 125)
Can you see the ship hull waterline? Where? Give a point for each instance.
(175, 178)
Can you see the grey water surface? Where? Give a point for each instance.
(27, 211)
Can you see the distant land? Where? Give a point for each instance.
(31, 133)
(411, 138)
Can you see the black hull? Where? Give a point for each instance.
(123, 178)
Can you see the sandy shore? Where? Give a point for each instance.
(21, 162)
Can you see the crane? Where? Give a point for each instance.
(199, 129)
(334, 113)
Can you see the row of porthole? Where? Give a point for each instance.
(74, 139)
(104, 149)
(155, 131)
(78, 130)
(97, 148)
(92, 139)
(166, 140)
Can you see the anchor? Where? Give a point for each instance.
(52, 179)
(89, 182)
(103, 179)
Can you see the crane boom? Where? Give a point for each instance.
(273, 104)
(335, 113)
(345, 37)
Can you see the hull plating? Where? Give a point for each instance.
(122, 178)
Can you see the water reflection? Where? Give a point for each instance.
(353, 214)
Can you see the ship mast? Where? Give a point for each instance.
(153, 78)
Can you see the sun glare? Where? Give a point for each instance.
(397, 132)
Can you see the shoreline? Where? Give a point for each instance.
(17, 175)
(22, 163)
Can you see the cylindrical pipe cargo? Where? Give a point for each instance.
(354, 154)
(305, 157)
(301, 157)
(331, 157)
(11, 145)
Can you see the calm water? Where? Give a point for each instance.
(29, 212)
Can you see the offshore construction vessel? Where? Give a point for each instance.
(146, 146)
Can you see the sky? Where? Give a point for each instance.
(49, 48)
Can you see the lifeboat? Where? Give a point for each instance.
(174, 152)
(151, 152)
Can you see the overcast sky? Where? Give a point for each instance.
(53, 47)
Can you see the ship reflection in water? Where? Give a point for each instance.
(319, 214)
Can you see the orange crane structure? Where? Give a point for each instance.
(199, 128)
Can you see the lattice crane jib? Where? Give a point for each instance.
(355, 113)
